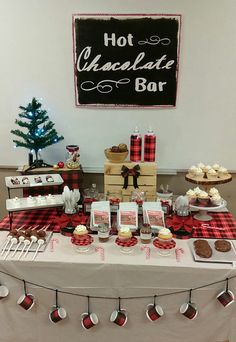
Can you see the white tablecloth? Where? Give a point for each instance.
(118, 275)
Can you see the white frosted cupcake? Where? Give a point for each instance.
(216, 199)
(203, 197)
(222, 172)
(213, 191)
(207, 168)
(192, 170)
(199, 172)
(216, 166)
(212, 174)
(201, 165)
(124, 233)
(197, 190)
(80, 232)
(165, 235)
(191, 194)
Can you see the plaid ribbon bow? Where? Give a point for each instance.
(178, 222)
(72, 220)
(125, 172)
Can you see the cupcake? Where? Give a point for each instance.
(216, 166)
(165, 235)
(222, 172)
(191, 194)
(192, 170)
(212, 174)
(197, 190)
(199, 172)
(124, 233)
(203, 197)
(213, 191)
(80, 232)
(206, 168)
(200, 166)
(216, 199)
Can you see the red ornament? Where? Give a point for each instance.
(61, 164)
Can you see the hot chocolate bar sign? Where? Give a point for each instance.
(126, 60)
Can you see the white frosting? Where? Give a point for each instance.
(190, 192)
(216, 166)
(192, 169)
(197, 190)
(124, 229)
(212, 172)
(216, 197)
(200, 165)
(203, 194)
(213, 191)
(198, 171)
(164, 231)
(80, 229)
(223, 170)
(207, 167)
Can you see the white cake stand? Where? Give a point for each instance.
(202, 214)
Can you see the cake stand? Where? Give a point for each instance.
(202, 214)
(207, 183)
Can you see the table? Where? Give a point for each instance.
(117, 275)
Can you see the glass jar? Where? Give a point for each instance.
(72, 156)
(114, 197)
(145, 233)
(138, 196)
(103, 232)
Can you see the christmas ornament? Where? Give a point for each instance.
(60, 164)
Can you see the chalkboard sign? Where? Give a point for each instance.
(126, 60)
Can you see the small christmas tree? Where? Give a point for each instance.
(39, 131)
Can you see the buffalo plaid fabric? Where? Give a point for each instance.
(222, 226)
(72, 178)
(135, 148)
(32, 218)
(149, 148)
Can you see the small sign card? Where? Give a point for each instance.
(153, 214)
(127, 215)
(100, 214)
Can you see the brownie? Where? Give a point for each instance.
(222, 246)
(202, 249)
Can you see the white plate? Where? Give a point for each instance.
(220, 257)
(26, 204)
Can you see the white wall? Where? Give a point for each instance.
(36, 60)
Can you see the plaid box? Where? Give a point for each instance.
(149, 148)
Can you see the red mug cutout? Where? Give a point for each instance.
(26, 301)
(89, 320)
(189, 310)
(226, 298)
(119, 317)
(154, 312)
(57, 314)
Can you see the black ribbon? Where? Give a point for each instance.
(126, 172)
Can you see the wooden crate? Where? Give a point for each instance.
(113, 181)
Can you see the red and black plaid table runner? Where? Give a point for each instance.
(222, 226)
(55, 217)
